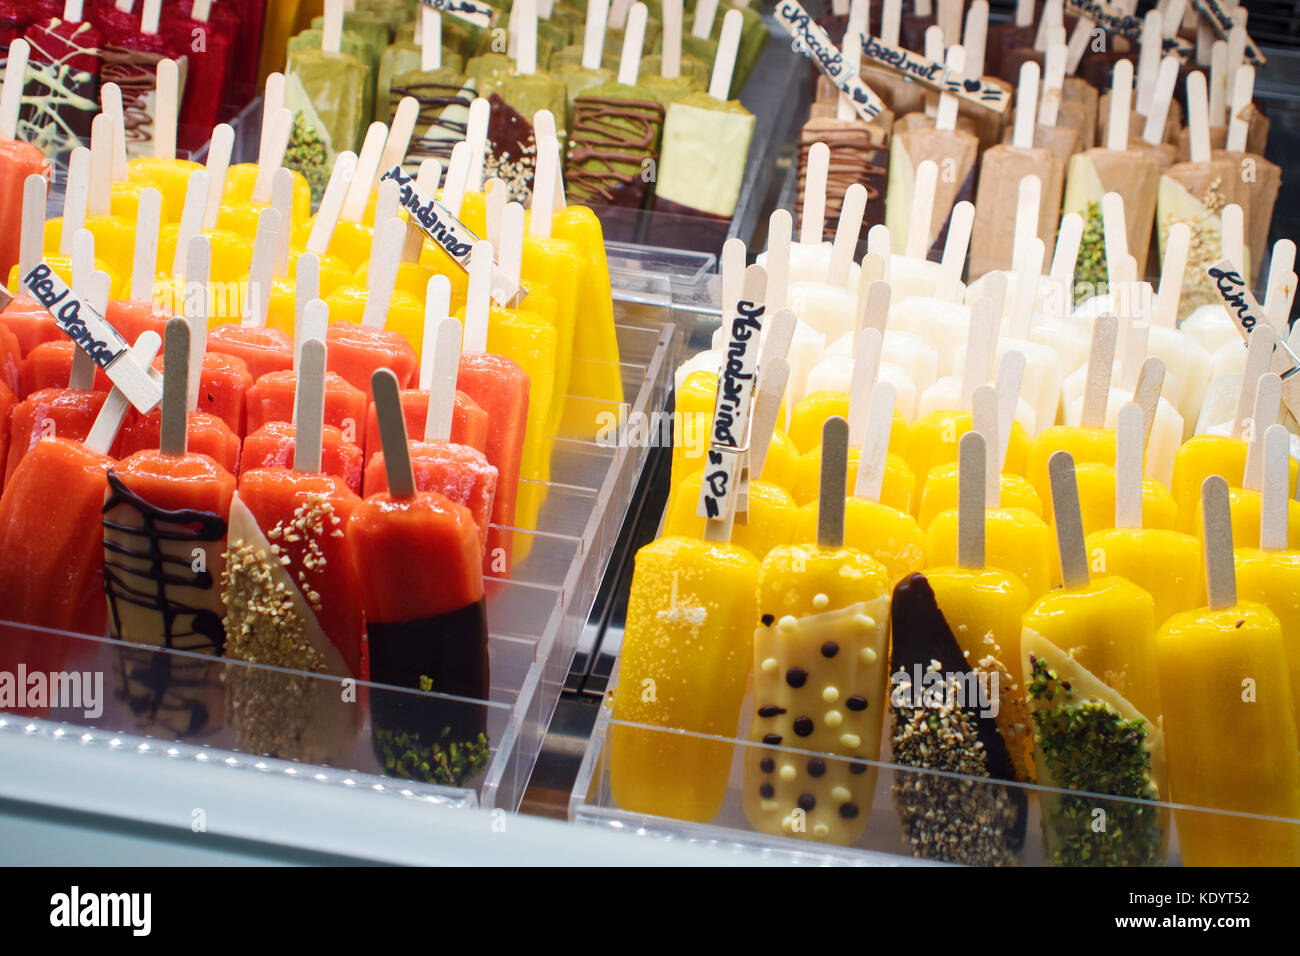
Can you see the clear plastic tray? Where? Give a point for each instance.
(963, 811)
(534, 621)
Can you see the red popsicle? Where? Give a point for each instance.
(18, 160)
(356, 352)
(48, 412)
(263, 349)
(271, 400)
(469, 422)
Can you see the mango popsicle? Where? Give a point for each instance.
(162, 506)
(819, 676)
(1088, 654)
(1206, 657)
(949, 623)
(424, 631)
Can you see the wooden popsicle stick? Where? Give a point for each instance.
(110, 98)
(1218, 106)
(101, 166)
(878, 244)
(813, 220)
(874, 307)
(11, 93)
(948, 19)
(706, 12)
(1220, 575)
(1166, 79)
(1101, 359)
(1274, 502)
(1026, 106)
(972, 456)
(399, 133)
(523, 17)
(1130, 447)
(430, 39)
(845, 111)
(1150, 48)
(544, 127)
(331, 204)
(1028, 201)
(975, 37)
(933, 45)
(388, 205)
(282, 202)
(173, 429)
(1120, 97)
(1031, 267)
(437, 307)
(1053, 17)
(1277, 287)
(875, 443)
(306, 289)
(201, 11)
(1232, 231)
(166, 103)
(217, 165)
(1172, 13)
(847, 230)
(671, 60)
(866, 369)
(1264, 414)
(455, 184)
(1146, 394)
(1064, 260)
(148, 221)
(1115, 232)
(309, 407)
(442, 375)
(478, 297)
(510, 251)
(1077, 45)
(981, 344)
(1133, 306)
(198, 266)
(261, 270)
(103, 433)
(32, 231)
(593, 37)
(1069, 522)
(331, 40)
(1049, 103)
(82, 375)
(381, 279)
(871, 271)
(1172, 269)
(629, 64)
(891, 21)
(1259, 356)
(774, 375)
(1011, 372)
(954, 252)
(480, 110)
(779, 226)
(272, 101)
(1243, 91)
(618, 11)
(366, 173)
(1198, 118)
(1237, 40)
(834, 475)
(984, 420)
(543, 200)
(724, 62)
(732, 267)
(778, 333)
(946, 118)
(75, 198)
(191, 225)
(918, 229)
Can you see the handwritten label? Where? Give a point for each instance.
(1116, 20)
(1222, 23)
(471, 11)
(453, 236)
(1245, 311)
(935, 75)
(93, 335)
(826, 56)
(729, 438)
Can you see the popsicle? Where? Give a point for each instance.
(51, 540)
(164, 521)
(819, 676)
(424, 631)
(1089, 662)
(1220, 734)
(949, 624)
(1261, 178)
(327, 86)
(1002, 167)
(63, 78)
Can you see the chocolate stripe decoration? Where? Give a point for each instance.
(812, 41)
(93, 335)
(935, 75)
(436, 221)
(471, 11)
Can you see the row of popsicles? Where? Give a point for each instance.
(612, 119)
(1076, 141)
(1084, 689)
(75, 50)
(286, 565)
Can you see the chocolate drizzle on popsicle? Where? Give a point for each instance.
(611, 140)
(859, 154)
(440, 134)
(511, 150)
(148, 576)
(135, 72)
